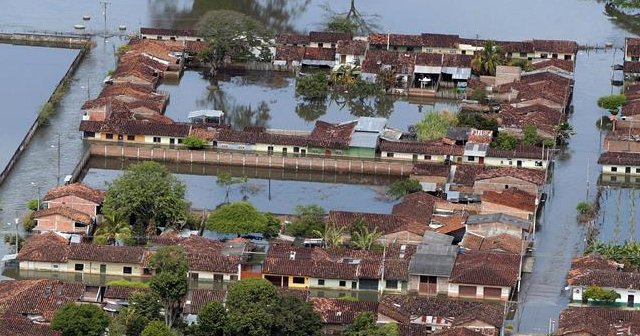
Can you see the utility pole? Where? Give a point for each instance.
(104, 14)
(58, 150)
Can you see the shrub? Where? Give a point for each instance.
(193, 142)
(33, 204)
(584, 208)
(403, 187)
(505, 141)
(127, 283)
(28, 222)
(596, 293)
(313, 86)
(434, 125)
(479, 95)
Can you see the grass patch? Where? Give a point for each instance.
(51, 106)
(127, 283)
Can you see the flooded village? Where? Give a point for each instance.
(300, 168)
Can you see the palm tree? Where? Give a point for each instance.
(565, 131)
(113, 229)
(331, 236)
(488, 59)
(364, 239)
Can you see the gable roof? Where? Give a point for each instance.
(503, 242)
(327, 135)
(107, 253)
(75, 189)
(329, 37)
(73, 214)
(457, 331)
(486, 268)
(535, 176)
(197, 298)
(292, 39)
(418, 206)
(619, 159)
(403, 309)
(45, 247)
(336, 311)
(502, 218)
(596, 270)
(121, 292)
(12, 324)
(417, 147)
(512, 198)
(38, 297)
(384, 223)
(556, 46)
(351, 47)
(598, 321)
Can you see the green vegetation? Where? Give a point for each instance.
(612, 102)
(194, 142)
(505, 141)
(308, 222)
(387, 79)
(403, 187)
(596, 293)
(488, 59)
(365, 325)
(148, 195)
(10, 239)
(364, 239)
(229, 34)
(51, 106)
(242, 218)
(524, 64)
(143, 308)
(170, 283)
(434, 125)
(341, 24)
(113, 229)
(627, 253)
(212, 319)
(350, 21)
(584, 208)
(479, 95)
(254, 307)
(127, 283)
(28, 222)
(123, 49)
(331, 236)
(80, 320)
(33, 204)
(565, 132)
(157, 328)
(477, 120)
(530, 135)
(313, 86)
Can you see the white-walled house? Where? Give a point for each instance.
(620, 163)
(484, 275)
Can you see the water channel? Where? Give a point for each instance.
(559, 236)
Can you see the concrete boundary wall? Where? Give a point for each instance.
(323, 164)
(48, 39)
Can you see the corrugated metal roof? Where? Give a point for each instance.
(498, 217)
(427, 69)
(434, 260)
(435, 238)
(364, 140)
(205, 114)
(474, 149)
(370, 124)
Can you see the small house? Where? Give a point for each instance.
(620, 163)
(63, 219)
(494, 224)
(351, 52)
(499, 179)
(484, 275)
(337, 314)
(514, 202)
(431, 265)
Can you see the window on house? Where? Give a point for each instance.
(389, 154)
(120, 137)
(127, 270)
(55, 266)
(427, 157)
(471, 158)
(510, 163)
(296, 149)
(156, 139)
(320, 45)
(567, 57)
(159, 37)
(614, 169)
(233, 277)
(79, 267)
(172, 38)
(543, 55)
(415, 157)
(172, 141)
(343, 283)
(89, 134)
(284, 151)
(510, 55)
(109, 136)
(429, 50)
(614, 179)
(395, 48)
(538, 163)
(409, 48)
(464, 52)
(131, 137)
(333, 45)
(554, 55)
(637, 170)
(218, 277)
(180, 141)
(298, 280)
(523, 55)
(354, 285)
(146, 271)
(392, 284)
(270, 150)
(320, 282)
(635, 59)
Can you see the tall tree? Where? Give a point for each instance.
(80, 320)
(434, 125)
(292, 317)
(156, 328)
(489, 58)
(230, 34)
(147, 192)
(331, 236)
(365, 325)
(365, 239)
(309, 219)
(212, 319)
(350, 21)
(170, 283)
(113, 229)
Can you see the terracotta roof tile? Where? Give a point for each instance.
(136, 127)
(534, 176)
(486, 268)
(396, 40)
(599, 321)
(230, 135)
(351, 47)
(327, 135)
(107, 253)
(336, 311)
(197, 298)
(596, 270)
(556, 46)
(430, 169)
(417, 206)
(292, 39)
(450, 223)
(466, 174)
(427, 148)
(319, 54)
(168, 32)
(619, 158)
(456, 331)
(38, 297)
(513, 198)
(12, 324)
(73, 214)
(521, 152)
(440, 40)
(377, 60)
(500, 243)
(631, 67)
(565, 65)
(384, 223)
(45, 247)
(289, 53)
(75, 189)
(329, 37)
(121, 292)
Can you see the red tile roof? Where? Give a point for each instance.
(417, 206)
(289, 53)
(631, 67)
(329, 37)
(107, 253)
(619, 159)
(45, 247)
(566, 65)
(75, 189)
(596, 270)
(542, 117)
(377, 60)
(534, 176)
(405, 309)
(500, 243)
(136, 127)
(12, 324)
(450, 223)
(121, 292)
(319, 54)
(486, 268)
(326, 135)
(430, 169)
(336, 311)
(38, 297)
(428, 148)
(197, 298)
(73, 214)
(440, 40)
(351, 47)
(521, 152)
(599, 322)
(230, 135)
(632, 45)
(292, 39)
(556, 46)
(384, 223)
(513, 198)
(395, 40)
(168, 32)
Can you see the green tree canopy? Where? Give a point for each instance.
(477, 120)
(600, 294)
(403, 187)
(146, 192)
(308, 221)
(157, 328)
(505, 141)
(194, 142)
(434, 125)
(170, 282)
(612, 102)
(365, 325)
(230, 34)
(212, 319)
(293, 317)
(114, 228)
(169, 259)
(249, 307)
(490, 57)
(80, 320)
(530, 135)
(226, 180)
(238, 218)
(364, 239)
(313, 86)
